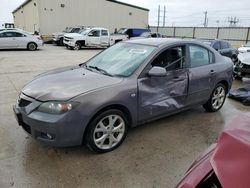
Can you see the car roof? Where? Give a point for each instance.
(162, 41)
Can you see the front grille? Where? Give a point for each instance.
(68, 38)
(23, 102)
(245, 66)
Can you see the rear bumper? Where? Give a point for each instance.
(54, 130)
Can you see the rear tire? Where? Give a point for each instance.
(217, 98)
(32, 46)
(107, 131)
(61, 42)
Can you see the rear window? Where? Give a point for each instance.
(104, 33)
(216, 45)
(224, 45)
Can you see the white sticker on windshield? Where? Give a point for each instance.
(138, 51)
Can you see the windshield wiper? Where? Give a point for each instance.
(100, 70)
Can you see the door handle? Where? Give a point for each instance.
(212, 72)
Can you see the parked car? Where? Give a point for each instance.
(12, 39)
(244, 48)
(226, 163)
(242, 66)
(223, 47)
(58, 37)
(148, 35)
(128, 84)
(92, 37)
(132, 32)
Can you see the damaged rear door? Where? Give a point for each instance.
(159, 96)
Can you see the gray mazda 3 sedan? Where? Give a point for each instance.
(128, 84)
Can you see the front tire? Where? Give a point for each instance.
(107, 131)
(32, 46)
(217, 98)
(77, 46)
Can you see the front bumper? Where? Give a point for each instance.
(55, 130)
(243, 71)
(68, 43)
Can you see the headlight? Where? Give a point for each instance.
(56, 107)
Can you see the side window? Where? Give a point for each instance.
(19, 34)
(171, 59)
(211, 57)
(104, 33)
(224, 45)
(9, 34)
(76, 30)
(95, 33)
(1, 35)
(216, 46)
(199, 56)
(129, 32)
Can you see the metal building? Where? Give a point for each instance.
(48, 16)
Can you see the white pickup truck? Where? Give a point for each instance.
(92, 37)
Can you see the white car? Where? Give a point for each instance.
(13, 39)
(242, 66)
(244, 48)
(92, 37)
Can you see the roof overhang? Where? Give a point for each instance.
(20, 6)
(129, 5)
(113, 1)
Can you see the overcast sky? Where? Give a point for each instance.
(179, 12)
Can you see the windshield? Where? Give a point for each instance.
(85, 31)
(67, 29)
(122, 31)
(145, 34)
(121, 59)
(247, 44)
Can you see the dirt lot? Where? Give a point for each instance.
(153, 155)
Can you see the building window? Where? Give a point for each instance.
(62, 5)
(130, 14)
(45, 8)
(35, 4)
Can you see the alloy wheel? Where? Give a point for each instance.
(218, 97)
(109, 132)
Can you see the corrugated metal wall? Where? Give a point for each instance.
(236, 36)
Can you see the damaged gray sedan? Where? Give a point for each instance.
(128, 84)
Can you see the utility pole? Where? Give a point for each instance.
(159, 12)
(205, 20)
(164, 17)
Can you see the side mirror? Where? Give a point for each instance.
(157, 72)
(90, 34)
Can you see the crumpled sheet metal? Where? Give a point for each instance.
(241, 94)
(159, 95)
(231, 158)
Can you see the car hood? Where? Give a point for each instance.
(58, 33)
(244, 49)
(72, 35)
(230, 159)
(66, 83)
(244, 58)
(134, 38)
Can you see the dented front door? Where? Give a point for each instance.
(159, 96)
